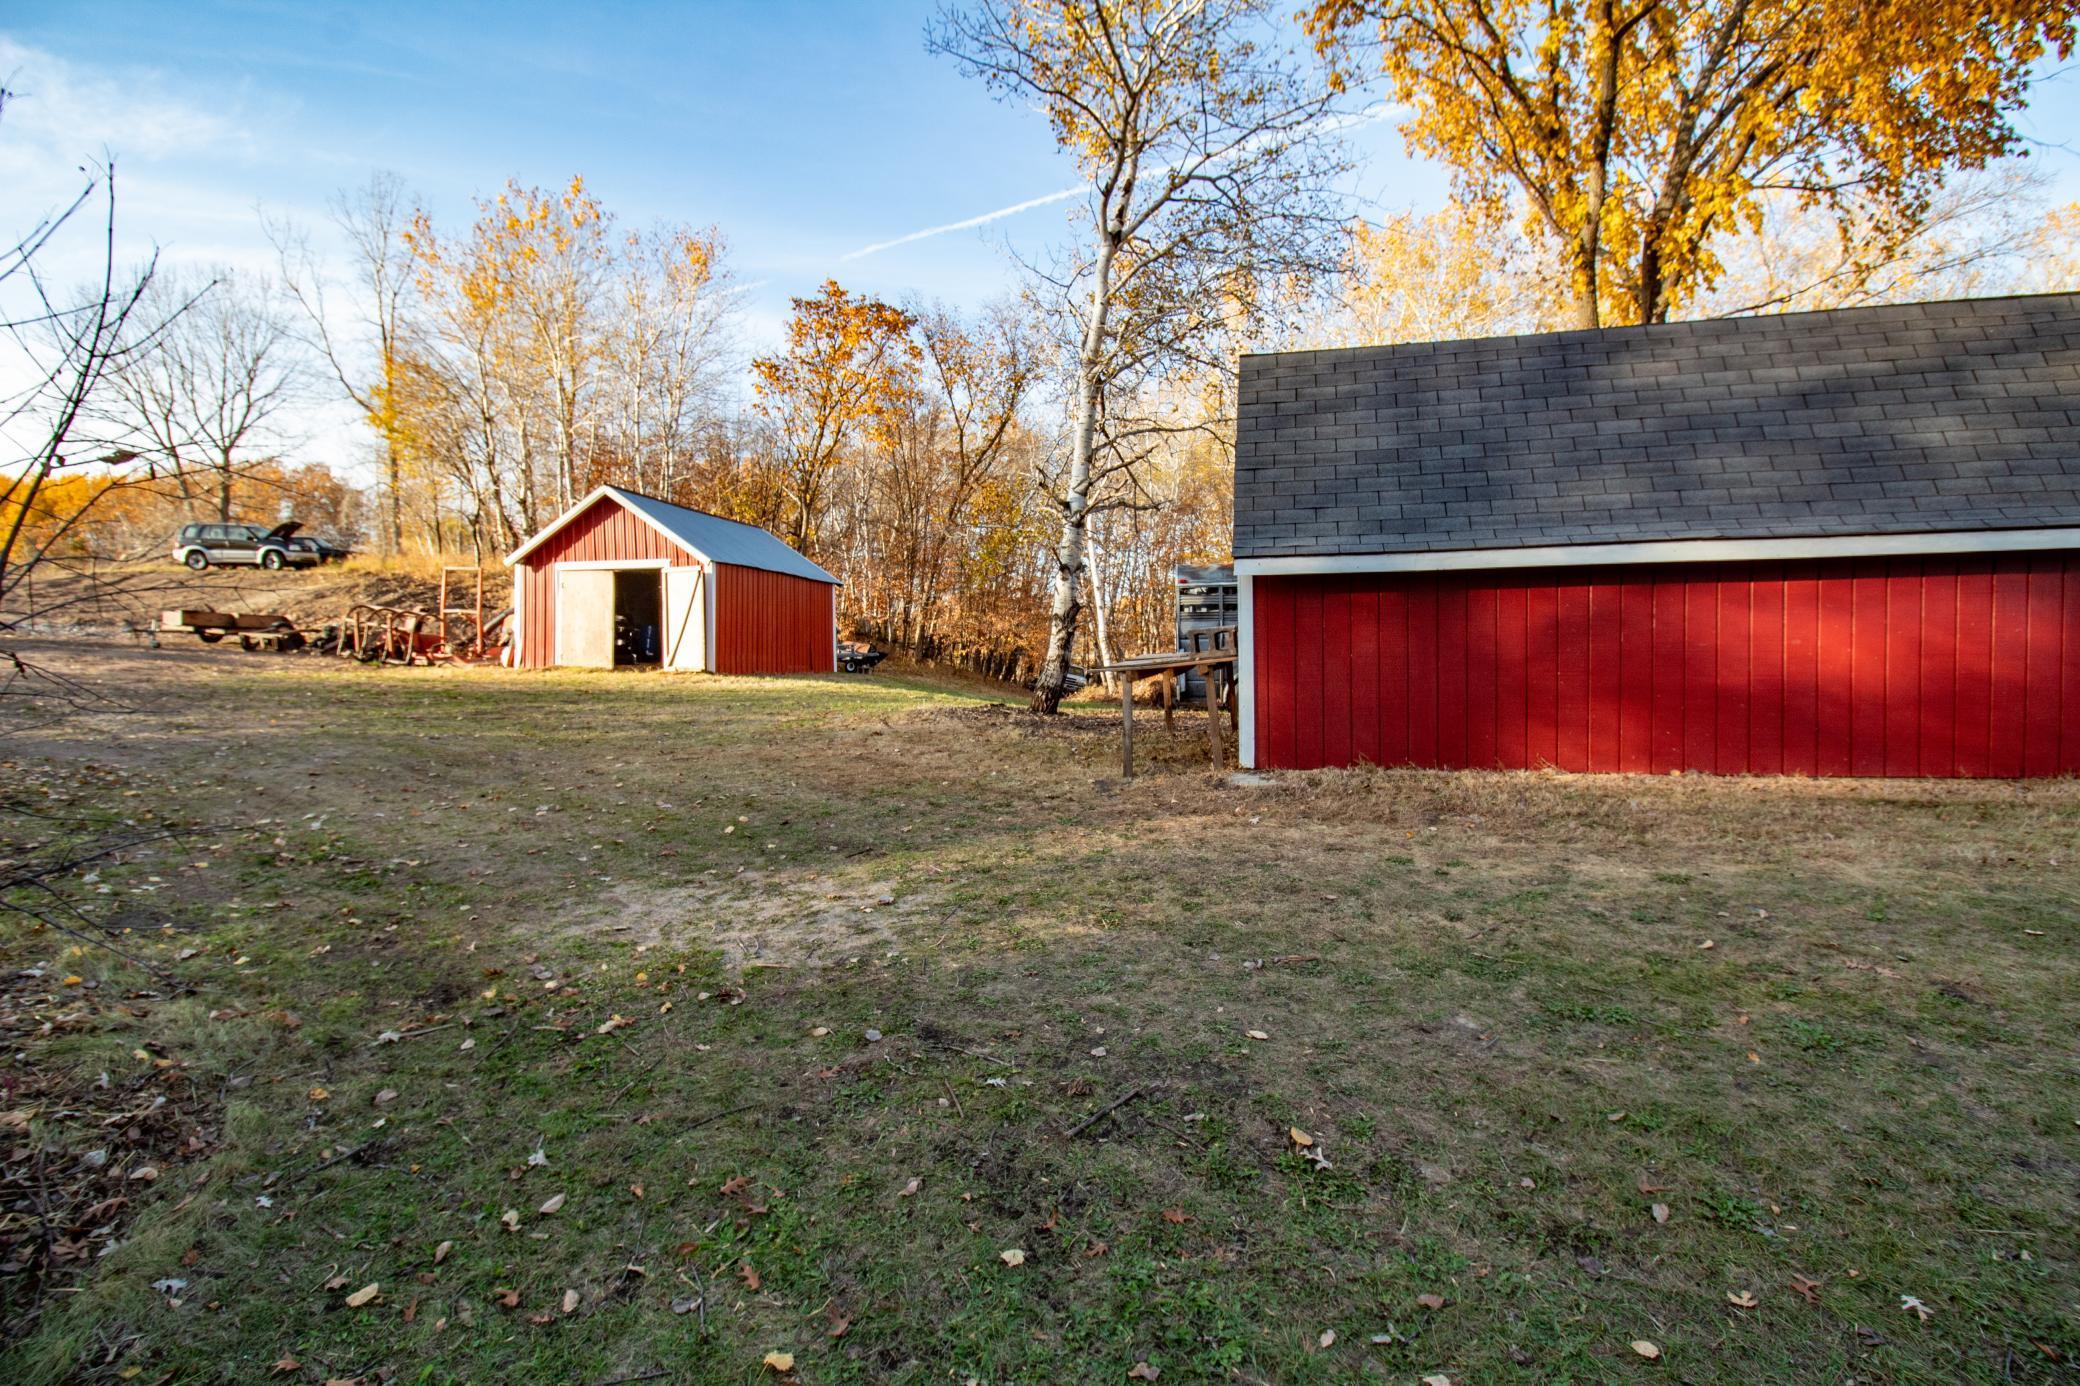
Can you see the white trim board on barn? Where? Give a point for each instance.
(1976, 541)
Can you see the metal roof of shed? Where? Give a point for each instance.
(703, 535)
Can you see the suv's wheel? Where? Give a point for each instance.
(272, 559)
(196, 559)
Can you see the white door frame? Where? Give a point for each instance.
(612, 565)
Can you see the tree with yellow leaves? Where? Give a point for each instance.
(1641, 131)
(1209, 183)
(1438, 276)
(845, 361)
(2054, 252)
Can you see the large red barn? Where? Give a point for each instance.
(1837, 543)
(624, 578)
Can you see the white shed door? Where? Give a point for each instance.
(685, 618)
(585, 617)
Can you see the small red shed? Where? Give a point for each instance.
(1836, 543)
(625, 578)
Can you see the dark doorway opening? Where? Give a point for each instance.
(638, 616)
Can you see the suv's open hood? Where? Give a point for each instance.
(284, 529)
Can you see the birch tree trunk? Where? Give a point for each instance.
(1063, 606)
(1100, 624)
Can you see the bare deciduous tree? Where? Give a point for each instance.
(66, 348)
(373, 219)
(1210, 166)
(212, 373)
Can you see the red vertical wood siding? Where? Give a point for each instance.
(765, 623)
(772, 623)
(1949, 667)
(606, 532)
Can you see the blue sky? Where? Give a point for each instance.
(806, 131)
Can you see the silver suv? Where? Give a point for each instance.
(200, 545)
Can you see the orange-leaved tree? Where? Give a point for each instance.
(847, 358)
(1641, 131)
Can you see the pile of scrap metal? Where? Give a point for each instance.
(454, 632)
(261, 631)
(402, 635)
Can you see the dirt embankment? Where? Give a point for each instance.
(111, 599)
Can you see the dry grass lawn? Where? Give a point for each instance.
(613, 1025)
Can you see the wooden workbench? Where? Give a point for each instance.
(1212, 656)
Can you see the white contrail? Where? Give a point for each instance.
(1026, 206)
(1339, 121)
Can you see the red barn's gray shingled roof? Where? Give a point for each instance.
(1925, 417)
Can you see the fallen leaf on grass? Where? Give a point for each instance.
(509, 1299)
(440, 1253)
(612, 1023)
(1177, 1215)
(748, 1275)
(1431, 1301)
(1141, 1371)
(1661, 1212)
(1013, 1257)
(510, 1219)
(363, 1295)
(780, 1361)
(287, 1364)
(1437, 1379)
(386, 1097)
(1741, 1299)
(1807, 1288)
(1299, 1137)
(838, 1324)
(1256, 1035)
(1646, 1349)
(570, 1301)
(1912, 1305)
(910, 1188)
(1328, 1338)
